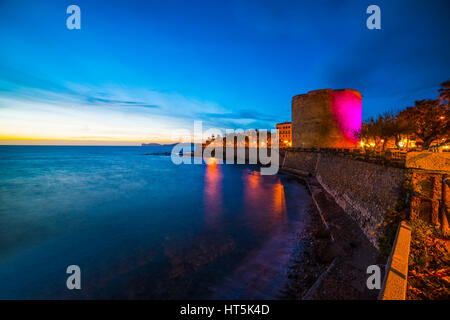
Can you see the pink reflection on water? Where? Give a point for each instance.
(212, 196)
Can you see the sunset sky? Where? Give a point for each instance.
(138, 70)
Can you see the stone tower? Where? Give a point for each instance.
(326, 118)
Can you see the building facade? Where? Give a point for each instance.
(284, 131)
(326, 119)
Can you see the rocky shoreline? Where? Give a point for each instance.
(333, 264)
(309, 259)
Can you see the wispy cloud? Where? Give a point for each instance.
(120, 103)
(110, 113)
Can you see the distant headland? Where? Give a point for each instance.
(152, 144)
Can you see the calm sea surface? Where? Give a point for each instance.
(139, 226)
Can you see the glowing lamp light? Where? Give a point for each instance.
(212, 161)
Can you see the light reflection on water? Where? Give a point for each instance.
(139, 226)
(258, 194)
(213, 191)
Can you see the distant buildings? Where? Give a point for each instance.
(326, 119)
(284, 134)
(247, 139)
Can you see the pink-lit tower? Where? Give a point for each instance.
(326, 118)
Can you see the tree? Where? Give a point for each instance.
(372, 132)
(429, 119)
(387, 127)
(378, 131)
(402, 126)
(368, 133)
(444, 95)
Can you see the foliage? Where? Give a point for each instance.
(444, 95)
(394, 216)
(429, 263)
(429, 258)
(428, 120)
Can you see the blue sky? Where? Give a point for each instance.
(138, 70)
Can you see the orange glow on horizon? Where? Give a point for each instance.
(26, 140)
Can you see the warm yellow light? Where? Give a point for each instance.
(211, 161)
(362, 144)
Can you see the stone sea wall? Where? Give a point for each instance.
(363, 189)
(304, 162)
